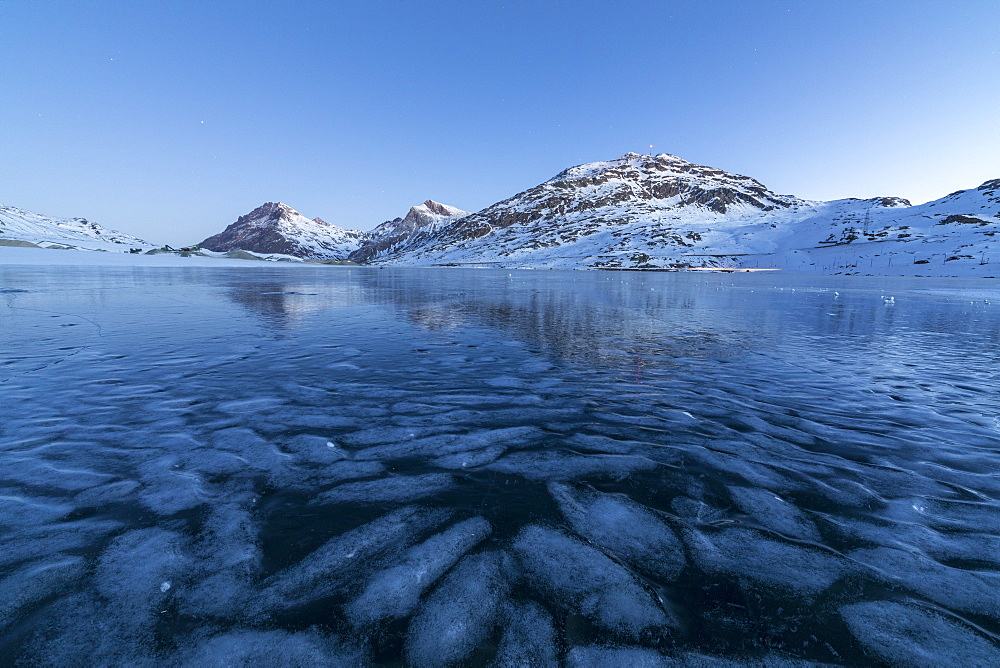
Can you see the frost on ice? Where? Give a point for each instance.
(461, 613)
(322, 572)
(624, 528)
(583, 580)
(902, 634)
(394, 592)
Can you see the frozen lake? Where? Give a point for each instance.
(206, 466)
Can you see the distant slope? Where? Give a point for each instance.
(648, 212)
(20, 225)
(278, 228)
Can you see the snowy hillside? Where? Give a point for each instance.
(641, 211)
(17, 225)
(419, 222)
(278, 228)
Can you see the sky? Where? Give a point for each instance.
(168, 120)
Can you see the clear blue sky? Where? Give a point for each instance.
(170, 119)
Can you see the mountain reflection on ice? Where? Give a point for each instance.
(351, 465)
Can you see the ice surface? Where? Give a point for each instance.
(596, 656)
(112, 492)
(52, 539)
(461, 613)
(321, 573)
(112, 622)
(773, 512)
(132, 568)
(51, 476)
(253, 450)
(529, 639)
(26, 511)
(400, 489)
(433, 442)
(754, 558)
(32, 584)
(960, 589)
(469, 459)
(169, 488)
(545, 465)
(83, 629)
(228, 562)
(395, 592)
(207, 457)
(581, 579)
(246, 649)
(624, 528)
(907, 635)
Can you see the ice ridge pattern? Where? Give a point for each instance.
(361, 466)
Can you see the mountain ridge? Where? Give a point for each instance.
(663, 212)
(632, 212)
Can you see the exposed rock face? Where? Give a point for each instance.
(278, 228)
(419, 221)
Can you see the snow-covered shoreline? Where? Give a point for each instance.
(14, 255)
(20, 256)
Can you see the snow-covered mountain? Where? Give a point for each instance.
(278, 228)
(419, 222)
(18, 225)
(642, 211)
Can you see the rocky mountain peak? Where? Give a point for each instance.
(392, 234)
(275, 227)
(437, 208)
(648, 178)
(272, 211)
(427, 213)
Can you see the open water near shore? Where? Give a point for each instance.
(351, 465)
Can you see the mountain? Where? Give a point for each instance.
(420, 221)
(18, 225)
(278, 228)
(663, 212)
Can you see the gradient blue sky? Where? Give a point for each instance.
(170, 119)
